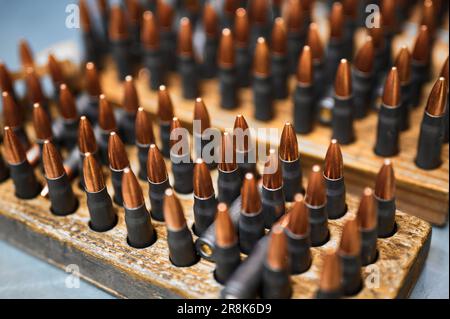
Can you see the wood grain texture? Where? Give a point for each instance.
(107, 261)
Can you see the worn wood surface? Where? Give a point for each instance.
(107, 261)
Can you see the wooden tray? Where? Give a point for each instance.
(106, 260)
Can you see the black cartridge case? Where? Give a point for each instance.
(228, 88)
(429, 148)
(142, 157)
(336, 206)
(4, 170)
(419, 76)
(183, 172)
(204, 213)
(25, 182)
(368, 246)
(189, 77)
(120, 50)
(116, 179)
(405, 105)
(275, 284)
(200, 142)
(251, 229)
(164, 132)
(88, 105)
(304, 113)
(388, 131)
(209, 66)
(334, 55)
(168, 47)
(66, 132)
(154, 63)
(126, 126)
(299, 251)
(362, 93)
(140, 230)
(273, 205)
(351, 274)
(90, 46)
(342, 121)
(156, 195)
(101, 211)
(279, 76)
(263, 98)
(328, 294)
(295, 43)
(181, 247)
(243, 65)
(318, 225)
(62, 199)
(386, 217)
(102, 137)
(229, 185)
(227, 260)
(292, 179)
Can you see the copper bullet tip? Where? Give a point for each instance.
(299, 217)
(343, 80)
(34, 88)
(173, 211)
(261, 64)
(337, 21)
(305, 67)
(67, 105)
(444, 72)
(52, 161)
(272, 176)
(185, 46)
(241, 27)
(131, 190)
(391, 92)
(259, 11)
(134, 12)
(54, 68)
(315, 191)
(203, 186)
(210, 21)
(350, 243)
(403, 64)
(25, 54)
(315, 43)
(421, 50)
(367, 212)
(106, 118)
(165, 15)
(377, 32)
(251, 199)
(41, 123)
(288, 149)
(437, 100)
(93, 176)
(226, 50)
(92, 80)
(130, 97)
(364, 58)
(6, 82)
(228, 154)
(429, 15)
(165, 108)
(293, 15)
(388, 10)
(179, 135)
(117, 155)
(350, 8)
(225, 231)
(118, 29)
(279, 37)
(277, 258)
(156, 167)
(230, 6)
(86, 137)
(385, 181)
(12, 115)
(144, 128)
(201, 114)
(334, 165)
(149, 31)
(330, 279)
(14, 151)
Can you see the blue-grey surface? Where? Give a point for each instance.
(42, 23)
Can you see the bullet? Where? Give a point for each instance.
(350, 8)
(7, 83)
(251, 220)
(316, 201)
(62, 199)
(385, 200)
(334, 180)
(140, 230)
(14, 118)
(66, 130)
(35, 94)
(382, 55)
(315, 44)
(205, 201)
(388, 128)
(290, 163)
(228, 10)
(89, 38)
(151, 51)
(245, 147)
(22, 174)
(130, 106)
(279, 62)
(4, 170)
(118, 161)
(106, 125)
(403, 64)
(168, 43)
(336, 44)
(363, 78)
(227, 71)
(56, 75)
(262, 82)
(330, 278)
(158, 181)
(187, 66)
(87, 143)
(144, 138)
(243, 58)
(201, 137)
(296, 31)
(88, 102)
(349, 252)
(420, 64)
(303, 98)
(342, 121)
(367, 221)
(272, 195)
(210, 26)
(390, 26)
(297, 235)
(165, 116)
(276, 283)
(430, 16)
(133, 21)
(179, 238)
(25, 54)
(229, 181)
(102, 214)
(429, 147)
(42, 128)
(120, 42)
(226, 253)
(260, 17)
(180, 156)
(444, 74)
